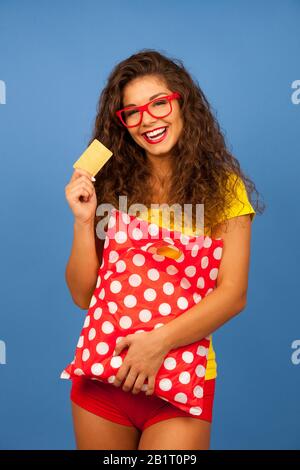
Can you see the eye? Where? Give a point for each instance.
(160, 102)
(129, 113)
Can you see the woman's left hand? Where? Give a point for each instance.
(145, 355)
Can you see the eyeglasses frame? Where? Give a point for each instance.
(145, 107)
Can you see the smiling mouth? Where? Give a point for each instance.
(156, 136)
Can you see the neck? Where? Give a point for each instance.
(160, 166)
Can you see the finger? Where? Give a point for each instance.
(80, 172)
(151, 384)
(130, 380)
(122, 373)
(77, 193)
(139, 383)
(82, 182)
(120, 346)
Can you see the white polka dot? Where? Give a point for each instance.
(195, 410)
(209, 291)
(185, 283)
(198, 391)
(207, 242)
(97, 369)
(102, 293)
(184, 377)
(119, 339)
(137, 234)
(126, 218)
(86, 321)
(64, 375)
(169, 240)
(153, 229)
(164, 309)
(180, 397)
(107, 274)
(107, 327)
(180, 259)
(115, 287)
(171, 270)
(194, 251)
(120, 266)
(139, 331)
(188, 357)
(197, 298)
(145, 315)
(182, 303)
(200, 371)
(158, 325)
(125, 322)
(111, 222)
(168, 288)
(153, 274)
(97, 313)
(190, 271)
(80, 342)
(85, 354)
(116, 362)
(102, 348)
(93, 301)
(165, 384)
(134, 280)
(158, 257)
(78, 371)
(113, 256)
(98, 282)
(200, 283)
(213, 274)
(145, 247)
(112, 307)
(150, 294)
(92, 334)
(130, 301)
(111, 379)
(121, 237)
(204, 262)
(202, 351)
(170, 363)
(138, 260)
(217, 252)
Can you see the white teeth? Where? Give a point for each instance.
(157, 133)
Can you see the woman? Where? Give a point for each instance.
(167, 148)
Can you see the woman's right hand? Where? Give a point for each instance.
(81, 196)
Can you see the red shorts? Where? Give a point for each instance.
(140, 411)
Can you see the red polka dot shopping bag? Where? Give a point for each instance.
(149, 275)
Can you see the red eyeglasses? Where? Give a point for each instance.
(160, 107)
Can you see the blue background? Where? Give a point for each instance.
(55, 58)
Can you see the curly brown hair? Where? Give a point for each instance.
(201, 162)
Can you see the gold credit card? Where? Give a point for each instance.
(93, 158)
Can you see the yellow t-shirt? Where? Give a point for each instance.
(239, 206)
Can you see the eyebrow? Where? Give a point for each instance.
(151, 98)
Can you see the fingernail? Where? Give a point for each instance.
(93, 179)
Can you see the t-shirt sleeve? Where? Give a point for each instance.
(240, 205)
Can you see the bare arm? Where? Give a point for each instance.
(227, 299)
(84, 262)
